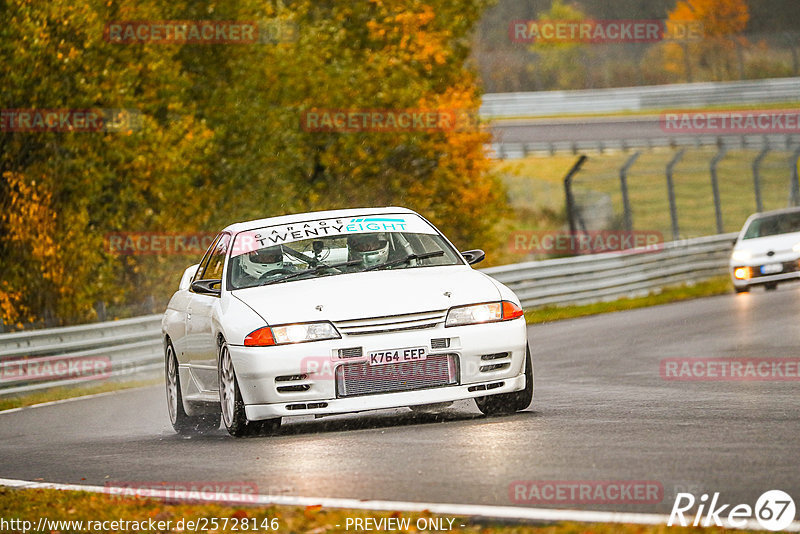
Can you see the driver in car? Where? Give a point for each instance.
(266, 262)
(370, 249)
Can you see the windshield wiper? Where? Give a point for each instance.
(318, 269)
(400, 261)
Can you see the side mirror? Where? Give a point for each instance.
(474, 256)
(206, 287)
(735, 241)
(188, 274)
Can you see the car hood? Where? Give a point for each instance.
(779, 243)
(372, 294)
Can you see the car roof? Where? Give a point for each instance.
(313, 216)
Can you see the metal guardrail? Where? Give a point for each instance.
(684, 95)
(77, 355)
(608, 276)
(132, 348)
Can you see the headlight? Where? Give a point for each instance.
(488, 312)
(742, 255)
(290, 333)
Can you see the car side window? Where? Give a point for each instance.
(204, 262)
(213, 270)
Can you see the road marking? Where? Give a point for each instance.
(72, 399)
(460, 510)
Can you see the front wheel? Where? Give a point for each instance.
(516, 401)
(772, 286)
(181, 422)
(230, 398)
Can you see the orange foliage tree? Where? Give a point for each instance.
(720, 49)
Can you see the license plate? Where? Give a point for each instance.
(382, 357)
(772, 268)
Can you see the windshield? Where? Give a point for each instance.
(279, 255)
(782, 223)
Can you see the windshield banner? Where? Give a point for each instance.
(251, 240)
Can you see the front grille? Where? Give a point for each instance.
(288, 383)
(440, 343)
(391, 323)
(363, 379)
(494, 357)
(354, 352)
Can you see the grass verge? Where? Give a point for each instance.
(60, 393)
(56, 505)
(716, 286)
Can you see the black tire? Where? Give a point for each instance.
(231, 404)
(506, 403)
(772, 286)
(181, 422)
(742, 289)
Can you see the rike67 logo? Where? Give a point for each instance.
(774, 510)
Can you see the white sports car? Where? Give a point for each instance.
(334, 312)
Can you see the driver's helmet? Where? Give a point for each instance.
(259, 262)
(371, 249)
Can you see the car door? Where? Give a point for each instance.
(202, 347)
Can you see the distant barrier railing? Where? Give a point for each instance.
(614, 100)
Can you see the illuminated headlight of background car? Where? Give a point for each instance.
(741, 273)
(291, 333)
(488, 312)
(742, 255)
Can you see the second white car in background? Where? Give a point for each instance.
(767, 250)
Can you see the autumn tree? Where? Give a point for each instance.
(63, 191)
(721, 23)
(561, 64)
(219, 136)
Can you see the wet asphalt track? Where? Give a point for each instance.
(601, 412)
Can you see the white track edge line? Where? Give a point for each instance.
(72, 399)
(461, 510)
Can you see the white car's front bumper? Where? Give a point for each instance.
(305, 378)
(790, 270)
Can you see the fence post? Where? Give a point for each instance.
(673, 210)
(568, 192)
(757, 176)
(100, 308)
(794, 198)
(715, 187)
(623, 184)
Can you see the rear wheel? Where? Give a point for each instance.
(232, 406)
(515, 401)
(181, 422)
